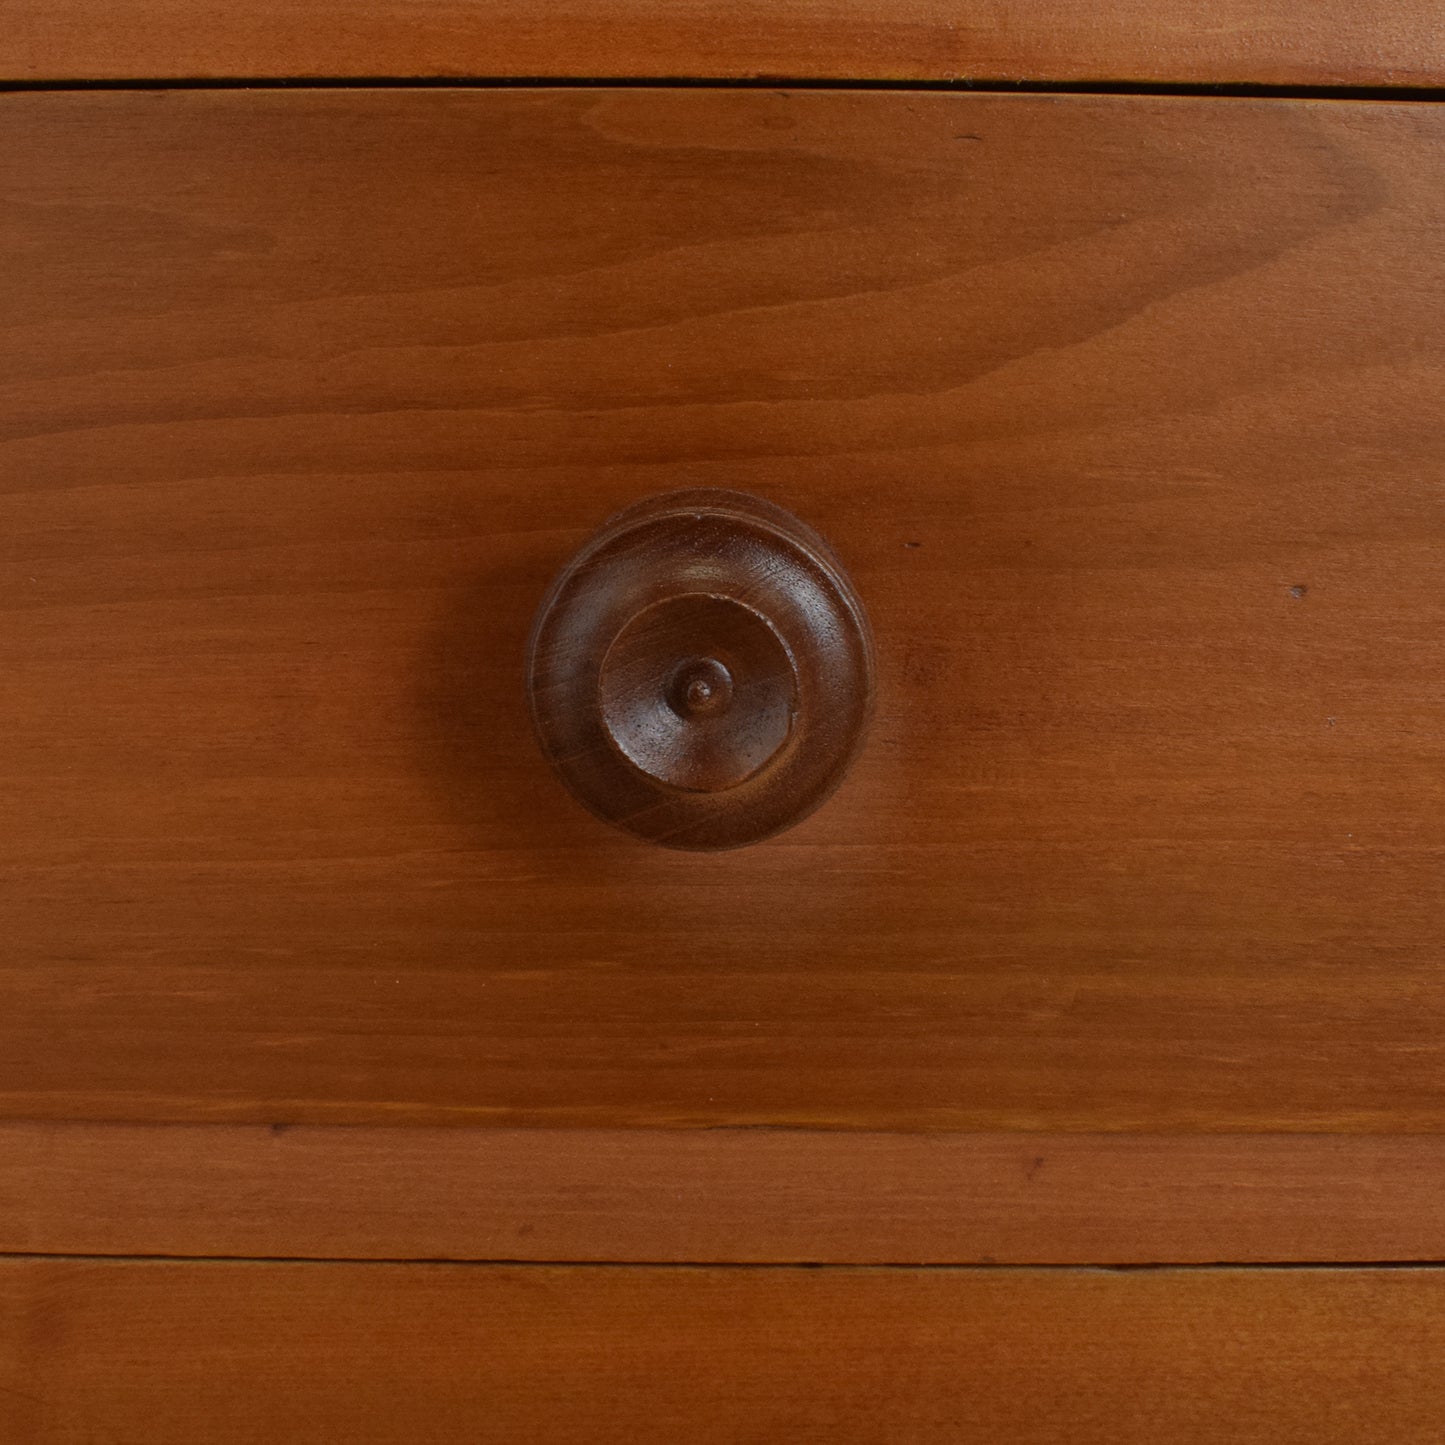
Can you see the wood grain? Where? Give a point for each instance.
(1261, 42)
(172, 1354)
(1123, 414)
(723, 1195)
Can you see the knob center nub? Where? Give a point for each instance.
(701, 687)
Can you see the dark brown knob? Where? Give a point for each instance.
(701, 672)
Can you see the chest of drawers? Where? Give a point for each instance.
(1120, 942)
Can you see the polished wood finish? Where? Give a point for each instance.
(1259, 42)
(1124, 415)
(724, 1195)
(175, 1353)
(701, 672)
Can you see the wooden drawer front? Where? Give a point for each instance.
(172, 1354)
(1253, 42)
(1123, 413)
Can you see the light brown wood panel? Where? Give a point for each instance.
(737, 1196)
(1262, 42)
(1124, 415)
(173, 1354)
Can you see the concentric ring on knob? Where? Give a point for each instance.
(710, 720)
(701, 672)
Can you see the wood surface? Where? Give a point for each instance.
(1123, 414)
(174, 1354)
(724, 1195)
(1259, 42)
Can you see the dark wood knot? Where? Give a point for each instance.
(701, 672)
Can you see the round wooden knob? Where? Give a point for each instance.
(701, 672)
